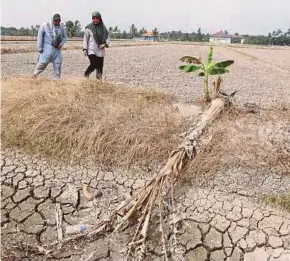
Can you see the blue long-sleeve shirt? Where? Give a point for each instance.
(47, 33)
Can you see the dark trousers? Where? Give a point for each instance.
(96, 63)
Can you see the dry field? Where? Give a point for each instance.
(233, 199)
(28, 46)
(260, 76)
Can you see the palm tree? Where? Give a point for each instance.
(155, 33)
(77, 28)
(133, 31)
(199, 35)
(110, 31)
(116, 30)
(33, 31)
(142, 31)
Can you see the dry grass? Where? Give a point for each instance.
(282, 201)
(88, 120)
(257, 141)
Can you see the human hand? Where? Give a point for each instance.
(40, 51)
(102, 46)
(85, 51)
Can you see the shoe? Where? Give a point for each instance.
(99, 76)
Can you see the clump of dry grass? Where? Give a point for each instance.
(88, 120)
(282, 201)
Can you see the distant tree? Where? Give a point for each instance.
(236, 34)
(73, 28)
(124, 35)
(142, 31)
(23, 31)
(110, 31)
(37, 28)
(33, 31)
(10, 31)
(155, 33)
(70, 28)
(116, 30)
(133, 31)
(226, 32)
(279, 32)
(199, 35)
(77, 28)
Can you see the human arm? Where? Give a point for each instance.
(64, 38)
(85, 41)
(40, 39)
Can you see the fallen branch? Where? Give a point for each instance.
(140, 206)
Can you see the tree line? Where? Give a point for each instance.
(277, 37)
(74, 29)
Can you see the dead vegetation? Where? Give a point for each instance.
(150, 202)
(241, 138)
(282, 201)
(88, 120)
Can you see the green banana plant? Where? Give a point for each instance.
(206, 69)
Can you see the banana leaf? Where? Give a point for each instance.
(189, 68)
(224, 64)
(190, 59)
(217, 70)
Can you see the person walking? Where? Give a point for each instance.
(51, 38)
(96, 39)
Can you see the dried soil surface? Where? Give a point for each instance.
(261, 76)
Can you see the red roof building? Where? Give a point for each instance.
(222, 37)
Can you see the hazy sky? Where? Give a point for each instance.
(242, 16)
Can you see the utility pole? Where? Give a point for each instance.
(186, 23)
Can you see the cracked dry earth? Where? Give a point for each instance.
(221, 217)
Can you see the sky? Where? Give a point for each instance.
(242, 16)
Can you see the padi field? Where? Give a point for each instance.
(153, 170)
